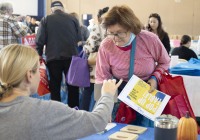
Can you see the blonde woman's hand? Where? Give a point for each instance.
(110, 86)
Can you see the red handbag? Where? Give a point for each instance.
(179, 102)
(125, 114)
(174, 87)
(43, 87)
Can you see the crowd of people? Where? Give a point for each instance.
(107, 44)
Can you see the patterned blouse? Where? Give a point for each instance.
(97, 34)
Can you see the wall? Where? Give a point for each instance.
(24, 7)
(178, 18)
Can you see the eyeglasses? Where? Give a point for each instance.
(119, 35)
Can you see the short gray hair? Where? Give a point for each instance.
(57, 8)
(6, 8)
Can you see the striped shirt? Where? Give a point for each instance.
(150, 55)
(10, 30)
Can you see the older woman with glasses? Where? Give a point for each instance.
(155, 26)
(113, 60)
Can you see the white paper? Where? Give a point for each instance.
(84, 16)
(174, 60)
(135, 94)
(108, 127)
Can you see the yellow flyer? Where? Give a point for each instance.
(135, 94)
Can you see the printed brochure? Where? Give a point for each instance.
(135, 94)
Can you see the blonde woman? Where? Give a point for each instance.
(26, 118)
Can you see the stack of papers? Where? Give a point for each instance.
(129, 132)
(133, 129)
(123, 136)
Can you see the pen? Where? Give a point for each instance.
(76, 107)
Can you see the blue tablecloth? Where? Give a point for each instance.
(192, 68)
(147, 135)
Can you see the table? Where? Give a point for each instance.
(147, 135)
(192, 86)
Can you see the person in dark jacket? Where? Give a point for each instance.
(183, 51)
(84, 33)
(155, 26)
(60, 33)
(33, 25)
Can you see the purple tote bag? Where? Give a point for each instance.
(78, 73)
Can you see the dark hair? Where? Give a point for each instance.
(124, 16)
(102, 11)
(185, 39)
(160, 29)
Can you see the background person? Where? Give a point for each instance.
(155, 26)
(60, 32)
(25, 118)
(113, 59)
(84, 33)
(10, 30)
(33, 25)
(91, 24)
(97, 34)
(184, 51)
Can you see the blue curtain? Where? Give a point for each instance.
(41, 8)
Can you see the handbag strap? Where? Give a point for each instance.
(131, 68)
(82, 54)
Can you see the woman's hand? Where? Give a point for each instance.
(153, 84)
(110, 86)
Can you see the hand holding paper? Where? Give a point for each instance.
(153, 85)
(136, 95)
